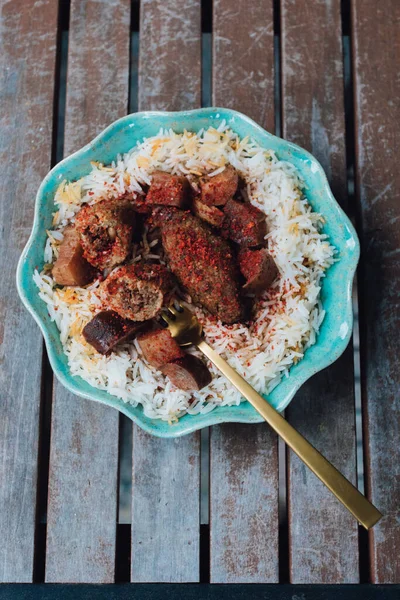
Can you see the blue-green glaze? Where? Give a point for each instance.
(336, 294)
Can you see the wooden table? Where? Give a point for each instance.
(323, 73)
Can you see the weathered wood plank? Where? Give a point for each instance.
(376, 59)
(243, 58)
(27, 63)
(243, 504)
(82, 509)
(243, 458)
(165, 509)
(323, 536)
(170, 55)
(166, 473)
(82, 506)
(98, 68)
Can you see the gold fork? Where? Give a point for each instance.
(186, 329)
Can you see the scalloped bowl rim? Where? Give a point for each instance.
(243, 413)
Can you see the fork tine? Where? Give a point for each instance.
(186, 311)
(173, 310)
(182, 307)
(167, 319)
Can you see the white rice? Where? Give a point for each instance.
(287, 317)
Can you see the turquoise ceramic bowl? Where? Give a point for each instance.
(336, 290)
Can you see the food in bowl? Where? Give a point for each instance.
(211, 219)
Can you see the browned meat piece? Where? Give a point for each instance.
(71, 268)
(244, 224)
(217, 190)
(139, 204)
(137, 291)
(259, 269)
(188, 373)
(107, 329)
(159, 347)
(160, 215)
(210, 214)
(168, 190)
(203, 262)
(106, 230)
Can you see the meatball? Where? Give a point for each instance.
(137, 292)
(106, 231)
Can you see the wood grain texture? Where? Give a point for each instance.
(82, 506)
(323, 536)
(27, 63)
(243, 504)
(165, 508)
(98, 68)
(243, 58)
(376, 59)
(170, 54)
(243, 458)
(83, 480)
(166, 473)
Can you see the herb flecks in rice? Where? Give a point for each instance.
(288, 316)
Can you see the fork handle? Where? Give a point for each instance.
(349, 496)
